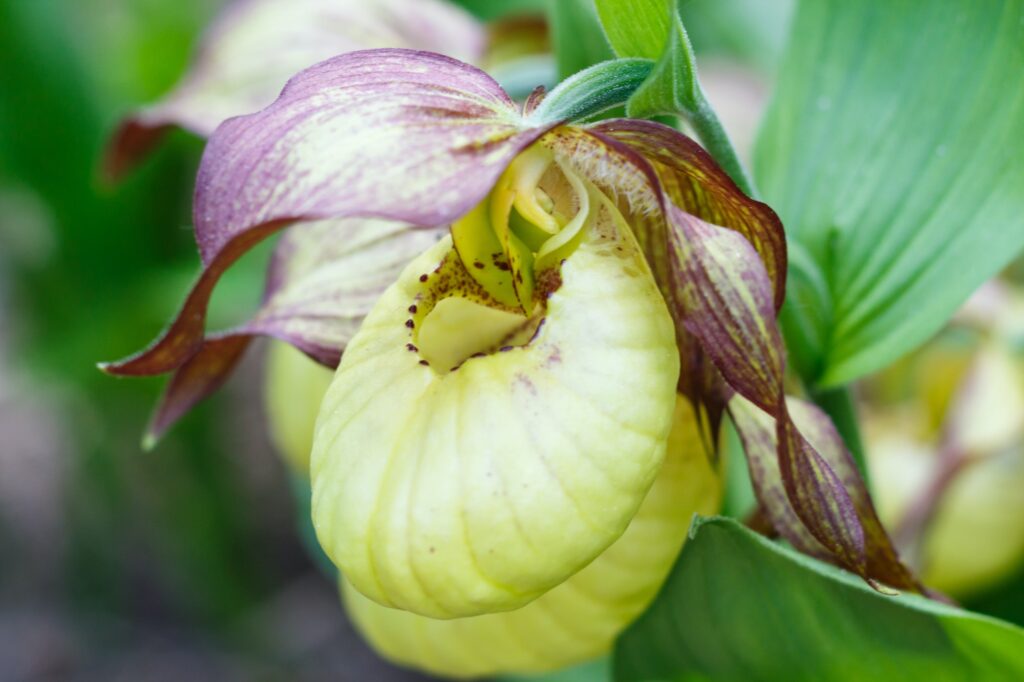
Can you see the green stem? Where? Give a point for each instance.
(838, 404)
(712, 135)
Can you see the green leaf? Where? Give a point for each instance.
(739, 607)
(653, 30)
(892, 151)
(576, 36)
(751, 31)
(636, 29)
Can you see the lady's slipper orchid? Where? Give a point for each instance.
(503, 410)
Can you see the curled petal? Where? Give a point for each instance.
(578, 619)
(200, 376)
(695, 183)
(455, 491)
(396, 134)
(725, 300)
(324, 277)
(622, 171)
(759, 436)
(254, 46)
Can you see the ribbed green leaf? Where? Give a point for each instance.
(893, 154)
(636, 29)
(738, 607)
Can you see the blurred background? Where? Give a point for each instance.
(183, 562)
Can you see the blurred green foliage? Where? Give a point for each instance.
(95, 271)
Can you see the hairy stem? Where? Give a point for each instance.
(712, 135)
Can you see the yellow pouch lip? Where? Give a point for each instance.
(555, 415)
(578, 619)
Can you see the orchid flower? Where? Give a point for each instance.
(501, 414)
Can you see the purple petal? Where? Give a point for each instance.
(408, 136)
(255, 46)
(695, 183)
(201, 375)
(397, 134)
(759, 434)
(725, 299)
(613, 155)
(324, 278)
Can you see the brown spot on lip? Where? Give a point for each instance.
(505, 349)
(410, 324)
(548, 282)
(526, 383)
(411, 347)
(424, 278)
(478, 265)
(412, 309)
(500, 261)
(424, 363)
